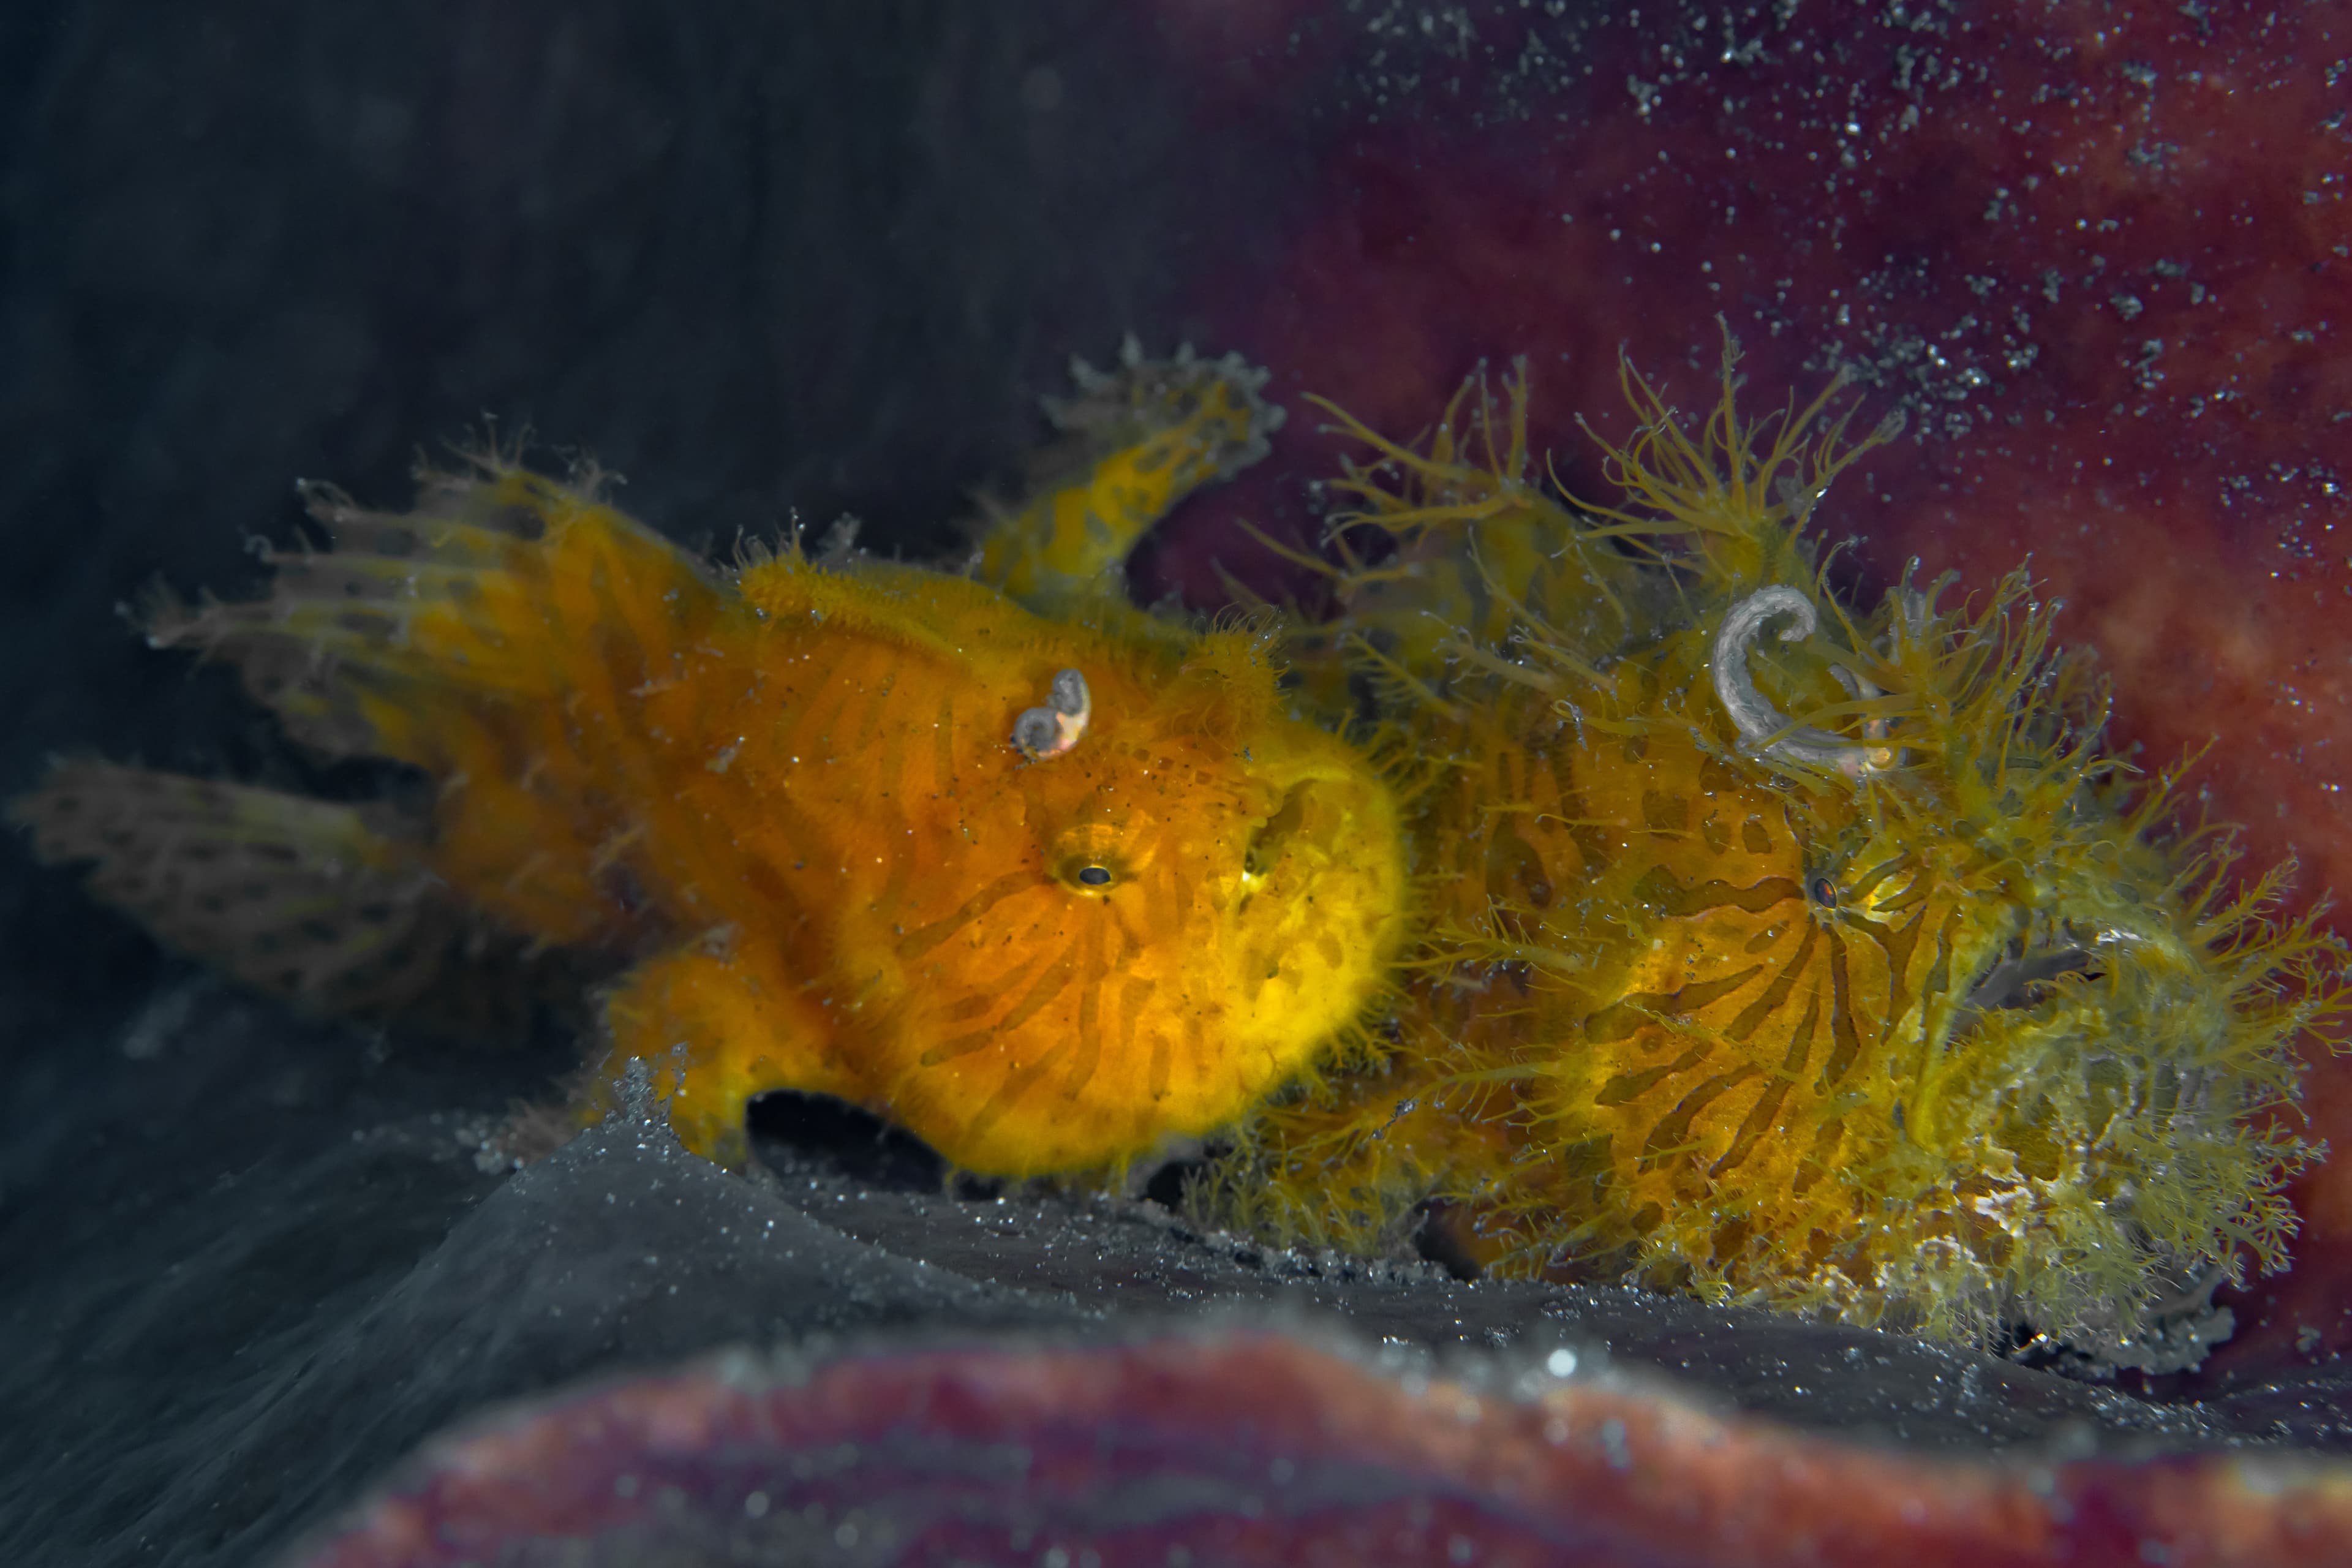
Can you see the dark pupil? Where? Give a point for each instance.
(1095, 876)
(1824, 891)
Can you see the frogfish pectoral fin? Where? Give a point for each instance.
(718, 1029)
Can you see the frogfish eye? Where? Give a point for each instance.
(1090, 873)
(1098, 857)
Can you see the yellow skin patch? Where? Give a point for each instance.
(792, 800)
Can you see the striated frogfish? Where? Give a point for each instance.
(1592, 893)
(1046, 889)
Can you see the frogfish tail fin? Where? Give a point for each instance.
(324, 904)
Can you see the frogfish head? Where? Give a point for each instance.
(1172, 912)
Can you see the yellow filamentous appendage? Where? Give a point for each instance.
(1900, 1009)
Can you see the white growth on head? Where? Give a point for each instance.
(1763, 726)
(1050, 731)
